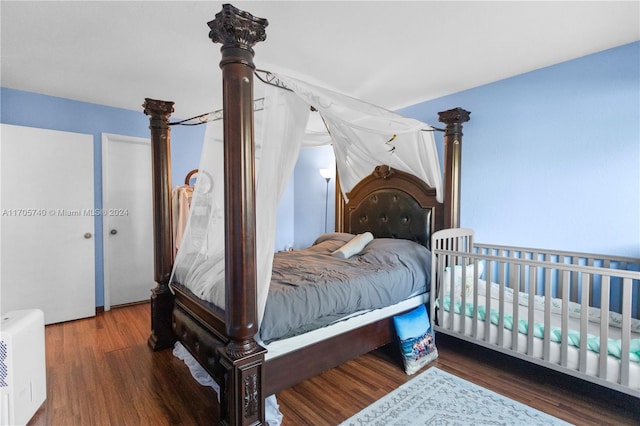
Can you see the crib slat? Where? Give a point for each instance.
(501, 274)
(575, 260)
(533, 282)
(564, 350)
(584, 321)
(590, 262)
(547, 314)
(474, 296)
(519, 273)
(474, 313)
(440, 265)
(463, 261)
(626, 331)
(604, 325)
(450, 289)
(487, 323)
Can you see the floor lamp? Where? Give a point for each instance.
(327, 174)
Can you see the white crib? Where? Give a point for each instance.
(548, 307)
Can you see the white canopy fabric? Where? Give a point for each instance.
(363, 136)
(199, 264)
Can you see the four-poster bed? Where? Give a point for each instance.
(389, 203)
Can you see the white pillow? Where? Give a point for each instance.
(353, 247)
(458, 278)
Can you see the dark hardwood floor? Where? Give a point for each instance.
(101, 372)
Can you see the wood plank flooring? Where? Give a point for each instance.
(101, 372)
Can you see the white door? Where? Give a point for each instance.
(48, 249)
(128, 219)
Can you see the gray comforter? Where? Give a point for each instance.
(310, 288)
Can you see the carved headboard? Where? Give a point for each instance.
(393, 204)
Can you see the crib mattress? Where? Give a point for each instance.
(520, 346)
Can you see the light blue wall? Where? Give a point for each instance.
(285, 229)
(551, 158)
(47, 112)
(310, 190)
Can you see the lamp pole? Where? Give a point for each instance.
(327, 174)
(326, 204)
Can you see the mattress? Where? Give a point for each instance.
(311, 288)
(521, 345)
(283, 346)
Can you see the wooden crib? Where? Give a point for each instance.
(548, 307)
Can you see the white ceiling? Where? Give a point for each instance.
(391, 53)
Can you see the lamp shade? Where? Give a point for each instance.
(327, 173)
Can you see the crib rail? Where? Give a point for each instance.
(574, 258)
(550, 307)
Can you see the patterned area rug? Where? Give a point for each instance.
(436, 397)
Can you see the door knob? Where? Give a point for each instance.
(113, 231)
(88, 235)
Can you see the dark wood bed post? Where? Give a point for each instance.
(161, 298)
(242, 358)
(453, 118)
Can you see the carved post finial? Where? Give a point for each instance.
(157, 108)
(454, 116)
(235, 28)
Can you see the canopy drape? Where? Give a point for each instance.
(363, 136)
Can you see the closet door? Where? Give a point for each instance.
(128, 219)
(47, 256)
